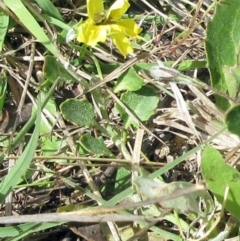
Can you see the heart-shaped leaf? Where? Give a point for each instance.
(187, 203)
(130, 80)
(218, 176)
(94, 145)
(142, 103)
(79, 112)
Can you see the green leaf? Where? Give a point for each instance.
(4, 21)
(235, 70)
(231, 83)
(3, 89)
(142, 103)
(79, 112)
(129, 80)
(94, 145)
(218, 175)
(118, 183)
(152, 189)
(50, 64)
(191, 64)
(47, 123)
(223, 37)
(31, 24)
(233, 120)
(22, 164)
(50, 146)
(106, 68)
(48, 7)
(123, 179)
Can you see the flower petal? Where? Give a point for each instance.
(95, 9)
(71, 35)
(122, 43)
(129, 27)
(91, 34)
(118, 8)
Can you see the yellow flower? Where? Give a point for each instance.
(102, 24)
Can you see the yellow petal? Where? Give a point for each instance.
(91, 34)
(129, 27)
(95, 9)
(122, 43)
(118, 8)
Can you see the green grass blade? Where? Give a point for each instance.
(31, 121)
(56, 22)
(31, 24)
(4, 20)
(22, 230)
(22, 164)
(48, 7)
(3, 89)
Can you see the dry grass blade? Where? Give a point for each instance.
(95, 215)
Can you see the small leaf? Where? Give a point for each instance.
(130, 80)
(79, 112)
(233, 120)
(94, 145)
(54, 70)
(50, 146)
(142, 103)
(218, 175)
(151, 189)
